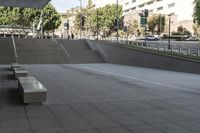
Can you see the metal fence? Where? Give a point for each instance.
(160, 48)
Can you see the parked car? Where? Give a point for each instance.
(152, 38)
(192, 39)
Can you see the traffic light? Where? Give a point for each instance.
(146, 13)
(66, 26)
(116, 24)
(82, 21)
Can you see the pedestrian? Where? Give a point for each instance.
(72, 36)
(68, 37)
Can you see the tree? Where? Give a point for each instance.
(196, 14)
(183, 31)
(26, 16)
(85, 12)
(196, 28)
(52, 19)
(132, 27)
(156, 21)
(180, 29)
(106, 18)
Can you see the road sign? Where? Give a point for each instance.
(143, 21)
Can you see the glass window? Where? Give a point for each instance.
(133, 1)
(141, 5)
(159, 8)
(127, 3)
(149, 3)
(133, 8)
(171, 5)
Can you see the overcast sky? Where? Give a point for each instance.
(63, 5)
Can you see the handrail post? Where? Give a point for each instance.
(198, 53)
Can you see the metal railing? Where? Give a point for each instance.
(62, 47)
(14, 47)
(160, 48)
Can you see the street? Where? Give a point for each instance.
(193, 45)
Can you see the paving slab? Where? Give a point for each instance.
(80, 100)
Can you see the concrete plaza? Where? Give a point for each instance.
(102, 98)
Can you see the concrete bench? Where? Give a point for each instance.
(15, 65)
(19, 72)
(32, 91)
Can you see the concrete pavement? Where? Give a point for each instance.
(102, 98)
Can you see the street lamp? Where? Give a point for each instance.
(80, 19)
(97, 24)
(169, 45)
(117, 20)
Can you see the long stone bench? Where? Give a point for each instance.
(32, 91)
(20, 72)
(15, 65)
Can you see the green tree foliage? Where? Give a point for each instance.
(155, 21)
(106, 18)
(181, 31)
(26, 16)
(197, 11)
(132, 27)
(85, 12)
(196, 28)
(52, 19)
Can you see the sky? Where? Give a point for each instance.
(63, 5)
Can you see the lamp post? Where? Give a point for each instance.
(97, 24)
(117, 20)
(80, 19)
(42, 32)
(161, 28)
(169, 43)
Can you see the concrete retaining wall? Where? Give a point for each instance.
(126, 56)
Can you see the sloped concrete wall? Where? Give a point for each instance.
(126, 56)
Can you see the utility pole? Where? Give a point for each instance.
(169, 45)
(117, 20)
(160, 29)
(41, 17)
(80, 19)
(97, 24)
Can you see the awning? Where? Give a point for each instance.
(24, 3)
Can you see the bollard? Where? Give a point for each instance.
(189, 51)
(164, 48)
(179, 50)
(152, 46)
(171, 49)
(158, 48)
(198, 53)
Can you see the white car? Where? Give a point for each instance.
(152, 38)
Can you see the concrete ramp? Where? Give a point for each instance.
(79, 52)
(6, 51)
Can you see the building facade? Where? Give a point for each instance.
(181, 10)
